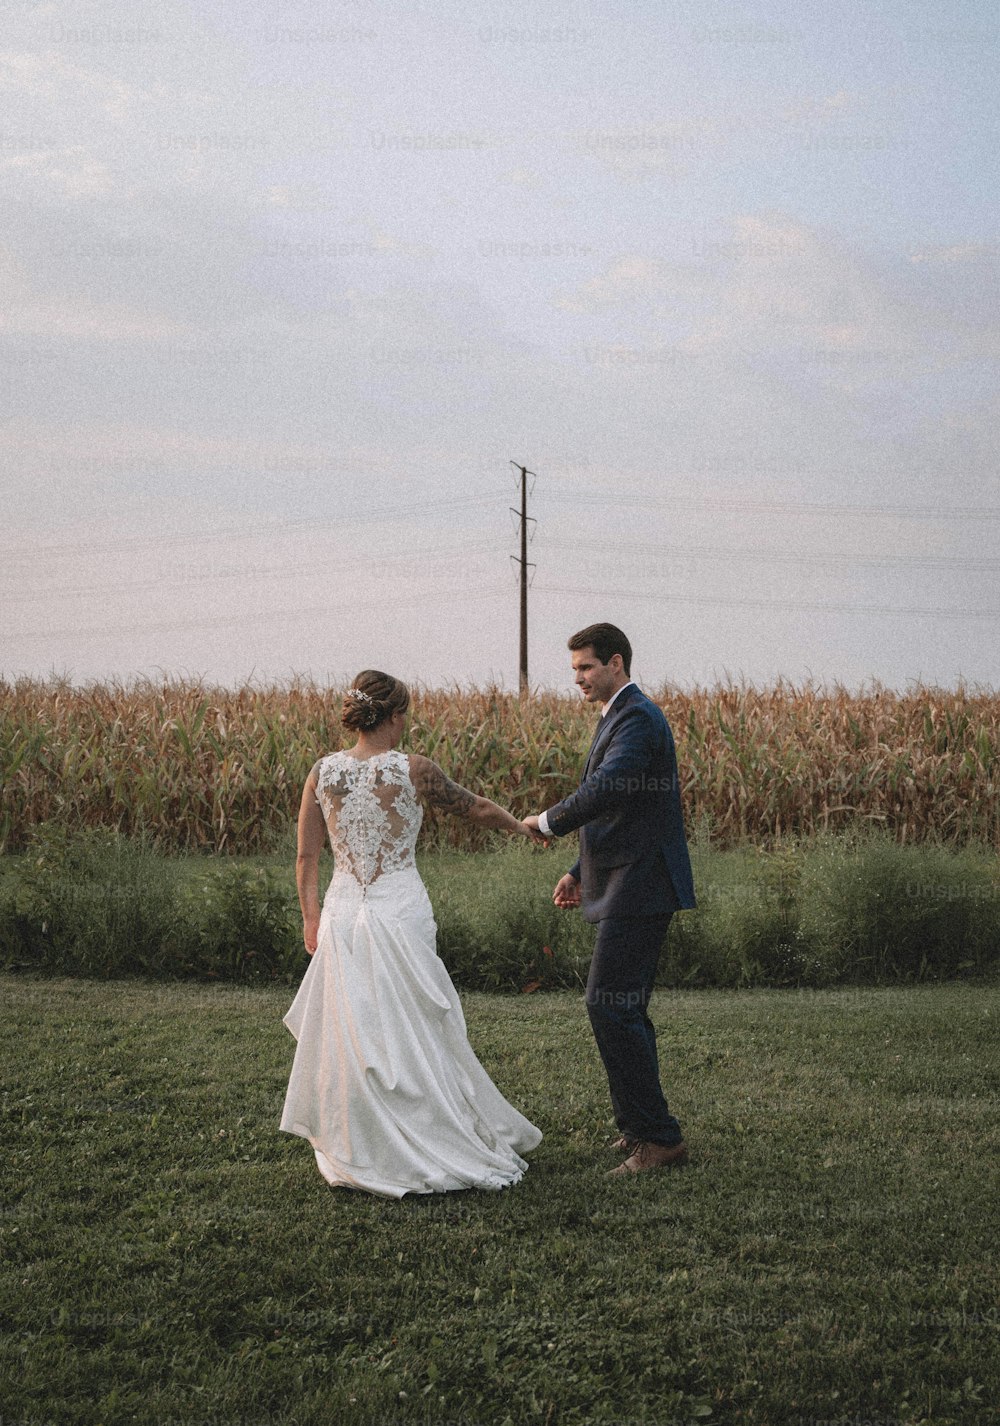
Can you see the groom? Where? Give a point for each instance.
(632, 874)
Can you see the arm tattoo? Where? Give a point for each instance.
(441, 792)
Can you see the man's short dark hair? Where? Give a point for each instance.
(606, 640)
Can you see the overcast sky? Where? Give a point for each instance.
(287, 286)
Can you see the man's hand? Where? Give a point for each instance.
(530, 824)
(567, 892)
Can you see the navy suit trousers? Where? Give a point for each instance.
(621, 978)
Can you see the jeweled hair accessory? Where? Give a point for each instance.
(360, 693)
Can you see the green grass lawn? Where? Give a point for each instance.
(828, 1256)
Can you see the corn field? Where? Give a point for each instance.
(202, 768)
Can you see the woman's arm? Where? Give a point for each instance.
(311, 836)
(435, 787)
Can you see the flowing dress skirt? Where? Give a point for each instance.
(385, 1085)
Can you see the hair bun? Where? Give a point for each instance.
(366, 708)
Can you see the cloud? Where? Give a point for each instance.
(637, 151)
(70, 92)
(99, 118)
(624, 281)
(72, 316)
(818, 110)
(75, 320)
(948, 254)
(93, 443)
(522, 178)
(766, 285)
(72, 172)
(386, 243)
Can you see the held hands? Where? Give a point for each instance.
(530, 825)
(567, 892)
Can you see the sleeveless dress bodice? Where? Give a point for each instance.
(371, 812)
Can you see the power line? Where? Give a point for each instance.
(244, 620)
(387, 512)
(268, 531)
(615, 547)
(448, 596)
(788, 507)
(63, 591)
(792, 604)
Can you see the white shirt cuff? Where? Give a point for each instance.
(543, 825)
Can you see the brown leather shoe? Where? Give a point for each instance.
(625, 1145)
(652, 1156)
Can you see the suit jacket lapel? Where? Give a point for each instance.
(604, 723)
(593, 744)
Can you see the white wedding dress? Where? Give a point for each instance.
(385, 1085)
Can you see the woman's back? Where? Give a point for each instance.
(371, 812)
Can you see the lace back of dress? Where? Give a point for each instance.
(371, 812)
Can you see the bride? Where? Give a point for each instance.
(385, 1085)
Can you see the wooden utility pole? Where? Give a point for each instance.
(523, 562)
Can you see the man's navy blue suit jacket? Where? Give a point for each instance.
(633, 852)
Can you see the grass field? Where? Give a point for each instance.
(829, 1255)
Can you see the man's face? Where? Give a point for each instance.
(596, 681)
